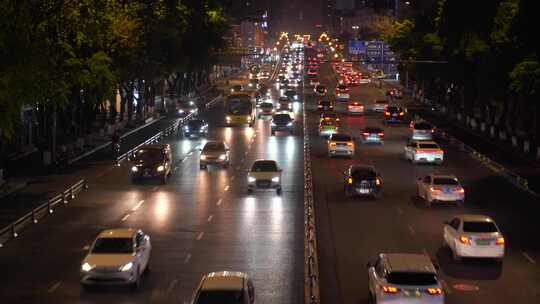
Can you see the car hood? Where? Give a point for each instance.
(213, 153)
(264, 175)
(104, 260)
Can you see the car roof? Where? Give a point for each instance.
(224, 280)
(475, 218)
(408, 262)
(118, 233)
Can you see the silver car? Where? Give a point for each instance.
(215, 153)
(421, 130)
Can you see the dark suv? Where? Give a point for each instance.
(152, 161)
(282, 122)
(362, 180)
(394, 114)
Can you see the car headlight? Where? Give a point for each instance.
(275, 179)
(160, 168)
(192, 110)
(273, 124)
(180, 111)
(251, 179)
(228, 118)
(289, 124)
(86, 267)
(222, 156)
(203, 157)
(127, 267)
(134, 169)
(295, 96)
(186, 128)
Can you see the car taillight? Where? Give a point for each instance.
(435, 189)
(499, 241)
(333, 144)
(434, 291)
(349, 144)
(350, 180)
(365, 134)
(465, 240)
(381, 134)
(387, 113)
(390, 289)
(401, 113)
(460, 190)
(377, 182)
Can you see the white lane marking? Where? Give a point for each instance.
(139, 204)
(125, 217)
(219, 202)
(171, 285)
(226, 188)
(184, 159)
(155, 188)
(175, 168)
(54, 287)
(86, 247)
(399, 210)
(210, 218)
(188, 257)
(446, 288)
(528, 257)
(189, 154)
(411, 229)
(199, 236)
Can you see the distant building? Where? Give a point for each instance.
(252, 32)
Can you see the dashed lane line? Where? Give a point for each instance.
(54, 287)
(125, 217)
(200, 236)
(155, 188)
(139, 204)
(172, 285)
(210, 218)
(219, 202)
(188, 257)
(226, 188)
(411, 229)
(528, 257)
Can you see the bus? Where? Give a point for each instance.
(240, 109)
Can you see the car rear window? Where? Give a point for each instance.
(373, 130)
(320, 88)
(428, 146)
(214, 147)
(394, 109)
(150, 154)
(282, 118)
(381, 101)
(341, 137)
(479, 227)
(264, 166)
(324, 102)
(422, 126)
(220, 296)
(445, 181)
(267, 105)
(412, 278)
(363, 174)
(113, 246)
(342, 87)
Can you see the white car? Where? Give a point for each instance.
(440, 188)
(340, 144)
(355, 107)
(421, 130)
(474, 236)
(117, 257)
(423, 151)
(264, 174)
(225, 287)
(404, 278)
(215, 153)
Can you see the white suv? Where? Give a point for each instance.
(225, 287)
(404, 278)
(117, 257)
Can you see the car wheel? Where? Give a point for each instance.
(461, 203)
(134, 181)
(278, 190)
(164, 179)
(135, 285)
(226, 165)
(86, 287)
(347, 192)
(202, 167)
(249, 190)
(273, 133)
(427, 201)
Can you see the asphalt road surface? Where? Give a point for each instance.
(200, 221)
(353, 231)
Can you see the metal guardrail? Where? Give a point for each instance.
(311, 266)
(172, 129)
(12, 230)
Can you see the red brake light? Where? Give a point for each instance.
(435, 189)
(381, 134)
(434, 291)
(401, 113)
(460, 190)
(500, 241)
(366, 134)
(386, 113)
(390, 289)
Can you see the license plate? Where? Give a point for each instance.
(146, 174)
(483, 242)
(394, 115)
(362, 190)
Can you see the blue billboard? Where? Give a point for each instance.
(374, 51)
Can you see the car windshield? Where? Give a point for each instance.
(282, 118)
(422, 126)
(362, 173)
(267, 105)
(195, 123)
(479, 227)
(411, 278)
(214, 146)
(186, 104)
(264, 166)
(290, 93)
(445, 181)
(428, 146)
(150, 154)
(394, 109)
(221, 297)
(113, 246)
(341, 137)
